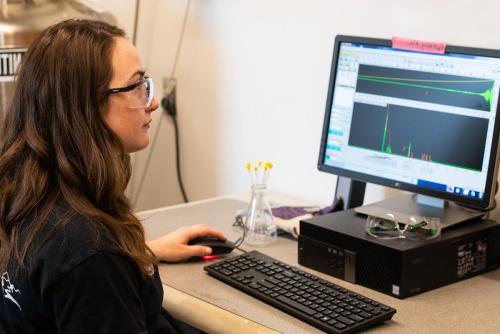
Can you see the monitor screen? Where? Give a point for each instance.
(416, 121)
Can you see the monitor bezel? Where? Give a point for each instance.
(489, 194)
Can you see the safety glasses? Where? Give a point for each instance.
(141, 93)
(387, 226)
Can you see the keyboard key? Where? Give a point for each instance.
(365, 315)
(340, 325)
(296, 305)
(318, 315)
(272, 280)
(266, 284)
(345, 320)
(356, 318)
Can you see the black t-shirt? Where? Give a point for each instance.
(79, 281)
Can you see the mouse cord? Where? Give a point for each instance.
(239, 222)
(241, 250)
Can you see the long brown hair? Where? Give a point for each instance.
(55, 144)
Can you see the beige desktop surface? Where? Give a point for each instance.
(470, 306)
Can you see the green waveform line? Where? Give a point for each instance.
(384, 135)
(424, 80)
(486, 95)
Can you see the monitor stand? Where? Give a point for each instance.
(406, 205)
(350, 193)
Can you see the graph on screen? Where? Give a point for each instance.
(450, 90)
(420, 134)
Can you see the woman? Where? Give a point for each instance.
(73, 258)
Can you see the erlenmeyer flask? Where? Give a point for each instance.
(259, 221)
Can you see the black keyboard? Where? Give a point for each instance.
(320, 303)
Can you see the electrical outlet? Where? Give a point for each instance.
(168, 101)
(168, 86)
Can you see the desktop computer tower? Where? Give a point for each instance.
(337, 244)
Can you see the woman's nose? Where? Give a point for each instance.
(154, 105)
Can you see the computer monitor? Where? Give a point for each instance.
(422, 122)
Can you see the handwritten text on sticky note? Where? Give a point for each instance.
(418, 45)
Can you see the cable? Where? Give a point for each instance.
(181, 38)
(169, 97)
(178, 159)
(241, 249)
(238, 221)
(136, 22)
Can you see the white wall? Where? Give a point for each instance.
(252, 82)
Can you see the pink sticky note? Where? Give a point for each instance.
(418, 45)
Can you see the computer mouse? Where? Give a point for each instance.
(218, 246)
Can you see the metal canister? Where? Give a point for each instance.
(21, 21)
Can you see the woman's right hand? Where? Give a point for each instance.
(173, 247)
